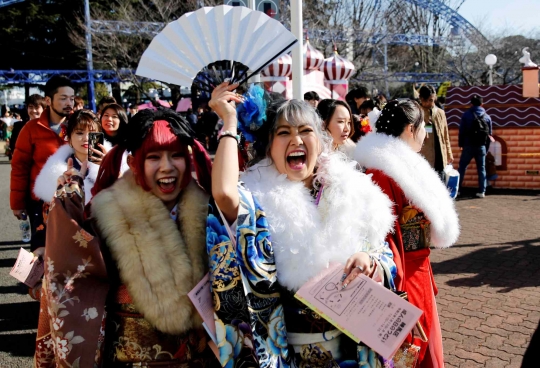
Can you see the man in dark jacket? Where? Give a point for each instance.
(473, 144)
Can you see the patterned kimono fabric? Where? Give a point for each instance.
(425, 217)
(95, 311)
(261, 320)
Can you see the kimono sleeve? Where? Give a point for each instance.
(75, 286)
(249, 318)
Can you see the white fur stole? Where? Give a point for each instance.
(56, 165)
(353, 214)
(419, 182)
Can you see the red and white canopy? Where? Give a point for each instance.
(281, 67)
(313, 58)
(337, 68)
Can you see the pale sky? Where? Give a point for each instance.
(494, 16)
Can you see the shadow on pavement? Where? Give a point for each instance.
(13, 242)
(7, 262)
(510, 266)
(20, 288)
(19, 316)
(467, 194)
(18, 345)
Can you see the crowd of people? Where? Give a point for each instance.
(127, 230)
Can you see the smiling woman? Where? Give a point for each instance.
(297, 209)
(79, 125)
(114, 121)
(136, 256)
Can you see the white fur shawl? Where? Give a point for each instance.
(419, 182)
(56, 165)
(305, 237)
(158, 263)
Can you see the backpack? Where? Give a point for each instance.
(479, 131)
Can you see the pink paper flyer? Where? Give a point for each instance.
(365, 311)
(25, 270)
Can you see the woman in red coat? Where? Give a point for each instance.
(425, 213)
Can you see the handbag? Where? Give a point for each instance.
(415, 229)
(407, 354)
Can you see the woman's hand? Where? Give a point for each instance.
(71, 171)
(221, 98)
(38, 254)
(98, 157)
(358, 263)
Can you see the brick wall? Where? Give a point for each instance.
(523, 153)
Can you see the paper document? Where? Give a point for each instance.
(365, 311)
(25, 270)
(202, 300)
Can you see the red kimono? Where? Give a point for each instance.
(414, 275)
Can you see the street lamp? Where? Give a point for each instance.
(490, 61)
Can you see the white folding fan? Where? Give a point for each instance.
(214, 44)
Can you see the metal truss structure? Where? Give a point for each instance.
(405, 77)
(109, 76)
(9, 2)
(126, 28)
(378, 38)
(461, 29)
(461, 25)
(76, 76)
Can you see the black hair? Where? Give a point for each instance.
(426, 92)
(56, 82)
(79, 101)
(36, 100)
(105, 101)
(274, 101)
(477, 100)
(368, 104)
(121, 112)
(311, 95)
(397, 114)
(82, 117)
(359, 92)
(143, 121)
(327, 107)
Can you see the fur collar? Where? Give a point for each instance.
(306, 237)
(56, 165)
(419, 182)
(159, 260)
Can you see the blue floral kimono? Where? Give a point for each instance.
(250, 327)
(251, 307)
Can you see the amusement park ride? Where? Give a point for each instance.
(462, 30)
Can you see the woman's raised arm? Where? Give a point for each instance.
(225, 170)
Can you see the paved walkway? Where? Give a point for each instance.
(489, 300)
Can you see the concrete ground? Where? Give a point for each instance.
(489, 299)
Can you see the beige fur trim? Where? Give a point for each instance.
(158, 263)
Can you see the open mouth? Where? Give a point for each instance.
(296, 159)
(167, 185)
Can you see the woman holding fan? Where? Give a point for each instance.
(301, 206)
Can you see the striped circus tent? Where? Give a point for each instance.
(337, 68)
(313, 58)
(281, 67)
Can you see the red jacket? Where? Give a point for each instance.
(36, 143)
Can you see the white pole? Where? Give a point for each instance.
(491, 75)
(297, 50)
(257, 77)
